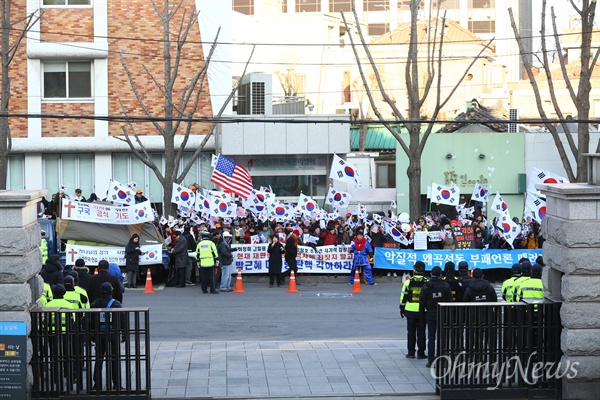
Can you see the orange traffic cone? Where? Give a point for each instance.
(239, 285)
(96, 271)
(356, 286)
(149, 289)
(292, 288)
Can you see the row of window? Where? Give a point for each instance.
(247, 6)
(77, 171)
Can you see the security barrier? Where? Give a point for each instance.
(91, 353)
(499, 350)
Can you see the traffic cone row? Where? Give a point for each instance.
(292, 288)
(356, 286)
(239, 286)
(149, 289)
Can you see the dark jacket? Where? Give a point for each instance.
(433, 292)
(191, 242)
(291, 249)
(480, 290)
(95, 281)
(180, 252)
(225, 252)
(52, 273)
(455, 288)
(132, 256)
(84, 276)
(111, 324)
(275, 250)
(464, 279)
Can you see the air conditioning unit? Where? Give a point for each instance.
(513, 115)
(255, 95)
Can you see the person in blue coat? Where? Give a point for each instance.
(361, 249)
(114, 269)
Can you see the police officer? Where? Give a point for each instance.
(451, 279)
(464, 279)
(409, 308)
(207, 255)
(525, 274)
(106, 336)
(508, 286)
(72, 296)
(44, 248)
(532, 288)
(433, 292)
(57, 323)
(480, 290)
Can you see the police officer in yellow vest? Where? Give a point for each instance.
(207, 255)
(46, 294)
(532, 288)
(72, 296)
(508, 286)
(409, 308)
(44, 248)
(60, 345)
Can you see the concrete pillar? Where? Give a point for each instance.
(20, 258)
(571, 252)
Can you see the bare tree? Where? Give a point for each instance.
(418, 93)
(15, 29)
(178, 116)
(581, 99)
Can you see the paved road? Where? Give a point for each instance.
(318, 312)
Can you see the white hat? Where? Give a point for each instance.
(226, 234)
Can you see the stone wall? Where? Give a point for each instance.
(571, 228)
(20, 258)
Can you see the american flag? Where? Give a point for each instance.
(232, 177)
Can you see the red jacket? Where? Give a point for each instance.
(329, 238)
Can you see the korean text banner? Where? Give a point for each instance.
(405, 259)
(254, 259)
(92, 254)
(107, 214)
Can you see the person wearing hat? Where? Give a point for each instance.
(508, 286)
(361, 250)
(139, 197)
(208, 257)
(291, 252)
(433, 292)
(226, 255)
(451, 279)
(409, 308)
(525, 274)
(72, 296)
(464, 279)
(79, 196)
(179, 251)
(105, 334)
(57, 323)
(480, 290)
(532, 288)
(104, 276)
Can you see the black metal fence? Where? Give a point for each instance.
(91, 353)
(498, 350)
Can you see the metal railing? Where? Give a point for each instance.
(498, 350)
(91, 353)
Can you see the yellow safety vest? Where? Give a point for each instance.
(206, 252)
(411, 290)
(86, 300)
(60, 303)
(531, 289)
(508, 289)
(44, 250)
(46, 294)
(74, 298)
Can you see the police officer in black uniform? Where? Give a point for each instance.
(451, 279)
(409, 308)
(433, 292)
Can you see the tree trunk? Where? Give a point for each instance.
(362, 139)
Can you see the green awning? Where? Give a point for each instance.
(378, 138)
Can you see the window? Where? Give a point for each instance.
(482, 4)
(308, 5)
(245, 7)
(67, 80)
(376, 5)
(72, 170)
(16, 172)
(66, 2)
(340, 5)
(386, 175)
(482, 26)
(378, 29)
(447, 4)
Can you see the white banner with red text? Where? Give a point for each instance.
(93, 254)
(254, 259)
(105, 214)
